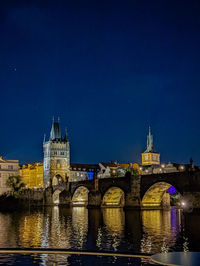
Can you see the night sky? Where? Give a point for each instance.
(108, 69)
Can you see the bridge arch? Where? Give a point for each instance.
(80, 196)
(56, 196)
(57, 180)
(113, 197)
(157, 196)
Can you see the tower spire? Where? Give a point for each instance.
(65, 138)
(149, 156)
(55, 133)
(149, 142)
(44, 138)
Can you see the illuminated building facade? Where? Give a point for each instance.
(150, 157)
(108, 170)
(32, 175)
(114, 169)
(7, 168)
(80, 172)
(56, 163)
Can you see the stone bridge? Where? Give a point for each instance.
(145, 191)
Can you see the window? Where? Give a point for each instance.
(55, 152)
(10, 167)
(62, 153)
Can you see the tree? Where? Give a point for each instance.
(131, 171)
(15, 183)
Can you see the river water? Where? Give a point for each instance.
(110, 229)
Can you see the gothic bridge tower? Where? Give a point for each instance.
(56, 162)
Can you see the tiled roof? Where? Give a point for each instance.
(110, 164)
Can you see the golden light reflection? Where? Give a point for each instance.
(114, 220)
(59, 231)
(30, 230)
(158, 227)
(80, 225)
(99, 238)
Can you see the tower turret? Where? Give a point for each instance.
(56, 162)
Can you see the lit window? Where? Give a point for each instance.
(154, 158)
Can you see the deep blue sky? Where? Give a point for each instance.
(109, 69)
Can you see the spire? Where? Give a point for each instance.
(44, 138)
(55, 133)
(149, 142)
(65, 138)
(149, 131)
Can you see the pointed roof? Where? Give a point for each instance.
(149, 142)
(55, 131)
(65, 138)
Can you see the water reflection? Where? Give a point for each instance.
(30, 230)
(160, 230)
(58, 230)
(103, 229)
(111, 233)
(7, 231)
(80, 225)
(114, 220)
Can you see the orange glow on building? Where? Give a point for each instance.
(32, 175)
